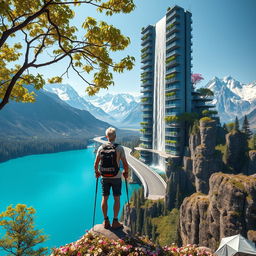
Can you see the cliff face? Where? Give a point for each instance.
(228, 209)
(235, 154)
(205, 158)
(252, 162)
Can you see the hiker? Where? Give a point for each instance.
(109, 156)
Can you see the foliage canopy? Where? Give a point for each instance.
(48, 37)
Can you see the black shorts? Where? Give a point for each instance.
(115, 183)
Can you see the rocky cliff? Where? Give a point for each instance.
(228, 209)
(235, 156)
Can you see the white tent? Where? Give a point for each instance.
(236, 245)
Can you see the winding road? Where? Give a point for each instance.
(153, 183)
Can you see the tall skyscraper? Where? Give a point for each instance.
(166, 84)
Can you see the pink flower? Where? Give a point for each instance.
(196, 78)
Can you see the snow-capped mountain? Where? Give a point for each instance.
(232, 98)
(68, 94)
(119, 106)
(111, 108)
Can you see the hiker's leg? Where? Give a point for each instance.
(117, 186)
(116, 206)
(105, 194)
(104, 206)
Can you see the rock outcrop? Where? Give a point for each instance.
(252, 162)
(206, 159)
(228, 209)
(236, 149)
(113, 234)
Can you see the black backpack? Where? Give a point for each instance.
(108, 164)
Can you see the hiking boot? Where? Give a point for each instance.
(116, 224)
(106, 223)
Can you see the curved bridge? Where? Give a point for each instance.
(153, 183)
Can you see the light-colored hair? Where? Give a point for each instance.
(111, 133)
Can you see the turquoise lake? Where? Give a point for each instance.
(61, 187)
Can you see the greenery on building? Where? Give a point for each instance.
(169, 59)
(144, 49)
(145, 37)
(170, 26)
(171, 141)
(143, 56)
(144, 99)
(169, 94)
(170, 76)
(170, 119)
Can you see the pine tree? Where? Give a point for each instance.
(21, 237)
(236, 124)
(246, 128)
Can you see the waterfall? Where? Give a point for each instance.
(159, 92)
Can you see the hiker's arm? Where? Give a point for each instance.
(96, 166)
(126, 167)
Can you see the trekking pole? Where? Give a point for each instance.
(129, 209)
(95, 200)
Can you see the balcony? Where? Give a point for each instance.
(172, 106)
(147, 94)
(147, 43)
(174, 28)
(171, 14)
(147, 108)
(172, 38)
(172, 53)
(146, 75)
(146, 65)
(172, 87)
(148, 69)
(172, 70)
(146, 30)
(172, 80)
(148, 40)
(146, 83)
(145, 139)
(146, 49)
(147, 115)
(147, 89)
(148, 102)
(172, 63)
(172, 46)
(172, 134)
(173, 20)
(146, 57)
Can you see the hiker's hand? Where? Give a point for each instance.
(125, 174)
(97, 174)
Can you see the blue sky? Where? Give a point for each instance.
(224, 39)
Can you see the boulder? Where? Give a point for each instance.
(113, 234)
